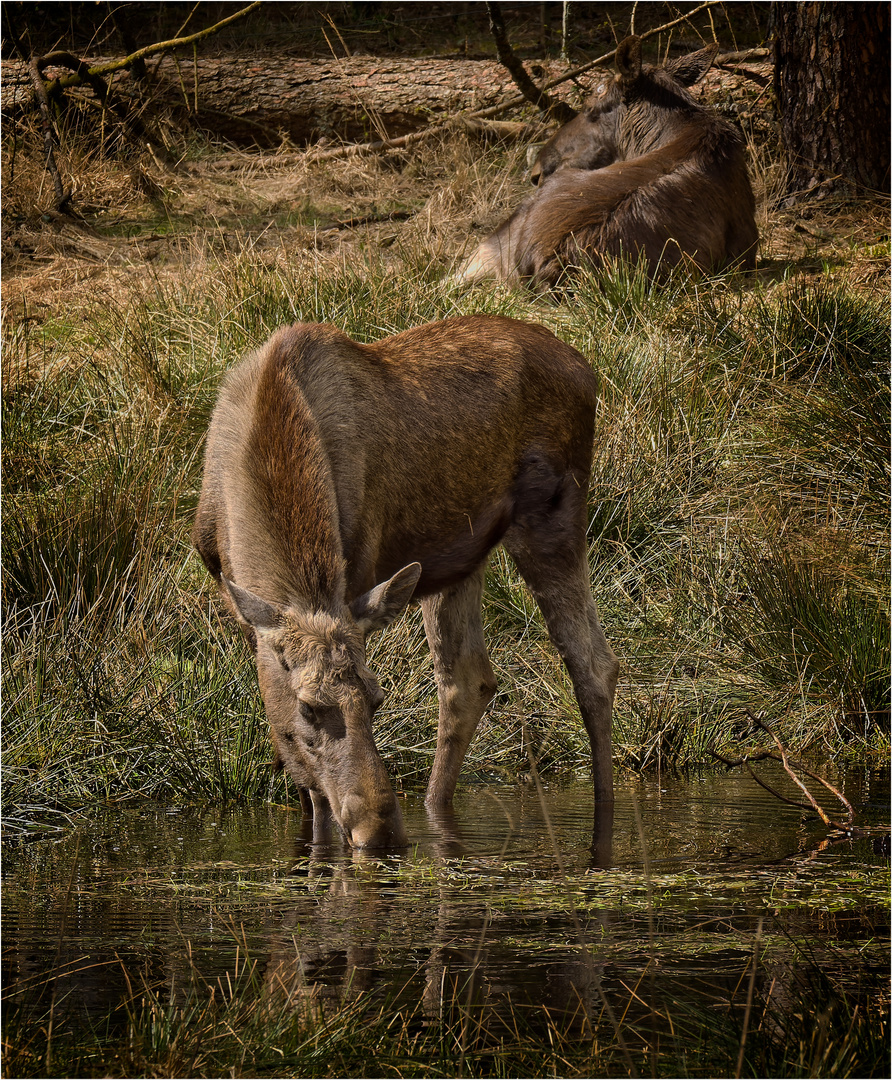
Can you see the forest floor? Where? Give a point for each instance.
(135, 224)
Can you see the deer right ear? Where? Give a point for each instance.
(628, 58)
(381, 605)
(255, 612)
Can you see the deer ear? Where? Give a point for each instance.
(381, 605)
(628, 58)
(691, 68)
(254, 611)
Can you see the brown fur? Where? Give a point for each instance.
(645, 171)
(333, 466)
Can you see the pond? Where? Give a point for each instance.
(701, 894)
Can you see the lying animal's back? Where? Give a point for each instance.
(667, 205)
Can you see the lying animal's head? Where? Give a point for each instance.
(629, 113)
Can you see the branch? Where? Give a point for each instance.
(509, 59)
(106, 98)
(741, 57)
(767, 755)
(148, 50)
(49, 137)
(82, 73)
(357, 149)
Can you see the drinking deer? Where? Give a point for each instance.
(645, 172)
(343, 481)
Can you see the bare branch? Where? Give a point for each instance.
(149, 50)
(358, 149)
(106, 98)
(786, 763)
(82, 73)
(49, 137)
(767, 755)
(601, 60)
(509, 59)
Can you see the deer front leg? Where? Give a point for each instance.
(465, 679)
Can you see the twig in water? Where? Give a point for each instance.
(784, 759)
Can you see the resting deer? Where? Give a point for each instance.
(645, 172)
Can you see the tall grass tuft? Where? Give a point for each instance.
(814, 632)
(816, 329)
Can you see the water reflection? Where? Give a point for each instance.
(364, 930)
(517, 900)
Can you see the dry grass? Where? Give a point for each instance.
(140, 225)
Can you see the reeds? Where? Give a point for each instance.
(738, 518)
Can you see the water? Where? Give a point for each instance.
(517, 901)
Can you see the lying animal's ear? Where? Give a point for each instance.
(381, 605)
(255, 612)
(690, 69)
(628, 58)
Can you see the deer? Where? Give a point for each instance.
(645, 172)
(345, 481)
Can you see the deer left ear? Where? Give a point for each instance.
(691, 68)
(255, 612)
(381, 605)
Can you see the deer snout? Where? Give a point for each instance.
(374, 823)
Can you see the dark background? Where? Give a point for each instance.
(318, 29)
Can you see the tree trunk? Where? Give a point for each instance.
(259, 100)
(832, 80)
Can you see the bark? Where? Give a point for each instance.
(357, 99)
(832, 78)
(259, 100)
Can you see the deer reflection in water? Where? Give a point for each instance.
(339, 943)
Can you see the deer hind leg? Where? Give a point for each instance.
(465, 679)
(550, 555)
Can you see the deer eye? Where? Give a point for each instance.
(308, 713)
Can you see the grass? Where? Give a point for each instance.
(758, 1015)
(737, 527)
(738, 509)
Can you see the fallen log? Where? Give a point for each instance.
(265, 100)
